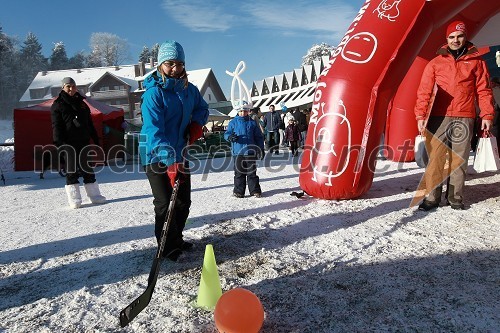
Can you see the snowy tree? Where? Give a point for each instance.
(94, 59)
(78, 60)
(58, 58)
(32, 58)
(154, 52)
(316, 52)
(108, 49)
(12, 75)
(145, 54)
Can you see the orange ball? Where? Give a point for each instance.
(239, 311)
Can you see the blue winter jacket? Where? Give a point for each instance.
(167, 110)
(250, 140)
(272, 121)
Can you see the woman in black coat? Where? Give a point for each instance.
(72, 130)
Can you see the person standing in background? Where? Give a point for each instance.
(247, 145)
(272, 123)
(293, 136)
(72, 129)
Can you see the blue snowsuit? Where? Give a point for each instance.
(245, 150)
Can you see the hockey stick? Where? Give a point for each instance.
(134, 308)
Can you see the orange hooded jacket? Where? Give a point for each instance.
(460, 83)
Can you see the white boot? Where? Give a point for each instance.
(74, 197)
(93, 193)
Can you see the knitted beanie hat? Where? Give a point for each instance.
(456, 26)
(170, 50)
(67, 80)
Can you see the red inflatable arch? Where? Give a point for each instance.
(352, 95)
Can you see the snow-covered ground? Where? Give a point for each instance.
(367, 265)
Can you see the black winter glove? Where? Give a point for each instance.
(233, 138)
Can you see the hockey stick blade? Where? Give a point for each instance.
(134, 308)
(140, 303)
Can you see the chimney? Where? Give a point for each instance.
(117, 68)
(44, 73)
(151, 63)
(78, 70)
(139, 69)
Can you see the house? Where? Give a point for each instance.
(118, 86)
(293, 89)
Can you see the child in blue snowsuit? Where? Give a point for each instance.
(247, 145)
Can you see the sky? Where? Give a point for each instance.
(270, 36)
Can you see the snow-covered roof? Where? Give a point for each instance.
(216, 115)
(197, 77)
(47, 80)
(82, 77)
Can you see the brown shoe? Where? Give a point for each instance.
(457, 205)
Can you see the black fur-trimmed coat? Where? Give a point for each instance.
(71, 121)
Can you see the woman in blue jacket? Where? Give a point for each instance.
(247, 145)
(173, 113)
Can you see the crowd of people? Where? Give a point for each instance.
(285, 129)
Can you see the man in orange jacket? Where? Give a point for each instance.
(462, 80)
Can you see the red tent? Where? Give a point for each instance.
(32, 127)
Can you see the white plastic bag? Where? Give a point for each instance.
(486, 158)
(420, 152)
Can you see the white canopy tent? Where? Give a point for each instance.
(216, 115)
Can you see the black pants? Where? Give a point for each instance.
(162, 191)
(245, 171)
(294, 146)
(273, 140)
(77, 163)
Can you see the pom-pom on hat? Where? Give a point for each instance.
(67, 80)
(170, 50)
(456, 26)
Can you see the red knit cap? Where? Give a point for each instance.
(456, 26)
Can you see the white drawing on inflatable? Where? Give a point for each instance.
(388, 9)
(360, 48)
(323, 144)
(244, 98)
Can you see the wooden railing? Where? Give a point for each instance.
(109, 94)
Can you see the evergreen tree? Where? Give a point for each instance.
(32, 58)
(58, 58)
(78, 60)
(154, 52)
(94, 59)
(11, 76)
(316, 52)
(145, 54)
